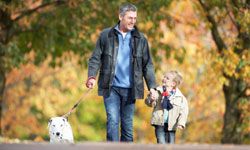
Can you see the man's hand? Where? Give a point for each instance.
(90, 83)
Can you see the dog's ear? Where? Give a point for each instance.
(49, 123)
(65, 119)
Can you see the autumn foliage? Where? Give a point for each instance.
(45, 67)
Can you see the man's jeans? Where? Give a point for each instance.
(119, 107)
(163, 135)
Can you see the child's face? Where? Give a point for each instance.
(168, 80)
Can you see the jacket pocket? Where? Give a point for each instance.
(157, 117)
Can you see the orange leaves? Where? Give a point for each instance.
(51, 92)
(244, 20)
(95, 35)
(146, 26)
(17, 75)
(34, 94)
(73, 3)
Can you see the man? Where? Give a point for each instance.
(123, 58)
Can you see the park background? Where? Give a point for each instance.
(45, 46)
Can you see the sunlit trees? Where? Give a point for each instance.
(229, 22)
(205, 39)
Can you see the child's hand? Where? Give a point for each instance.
(153, 102)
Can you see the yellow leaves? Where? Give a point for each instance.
(81, 35)
(244, 19)
(47, 94)
(45, 106)
(244, 106)
(192, 48)
(223, 80)
(149, 25)
(234, 64)
(230, 62)
(73, 3)
(146, 26)
(95, 35)
(168, 37)
(87, 131)
(38, 139)
(245, 65)
(55, 91)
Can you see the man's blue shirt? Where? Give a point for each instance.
(123, 74)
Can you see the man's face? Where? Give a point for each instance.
(127, 22)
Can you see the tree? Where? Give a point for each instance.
(234, 59)
(24, 25)
(47, 27)
(50, 28)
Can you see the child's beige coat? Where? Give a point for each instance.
(176, 116)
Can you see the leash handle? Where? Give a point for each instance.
(78, 102)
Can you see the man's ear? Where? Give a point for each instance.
(120, 17)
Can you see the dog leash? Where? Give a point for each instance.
(78, 102)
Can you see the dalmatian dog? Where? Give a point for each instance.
(60, 130)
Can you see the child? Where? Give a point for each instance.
(170, 108)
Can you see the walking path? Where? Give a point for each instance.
(118, 146)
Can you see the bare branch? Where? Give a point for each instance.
(231, 16)
(5, 25)
(215, 33)
(31, 11)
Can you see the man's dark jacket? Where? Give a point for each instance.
(104, 59)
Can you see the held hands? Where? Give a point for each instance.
(153, 97)
(90, 83)
(154, 94)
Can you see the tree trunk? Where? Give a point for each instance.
(234, 93)
(235, 90)
(2, 85)
(5, 26)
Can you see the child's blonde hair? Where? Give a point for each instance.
(177, 76)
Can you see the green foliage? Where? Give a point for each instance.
(66, 26)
